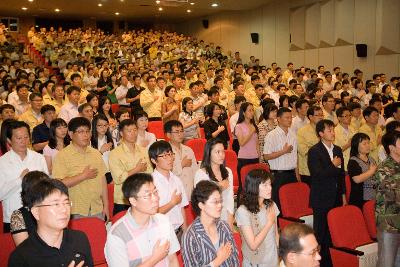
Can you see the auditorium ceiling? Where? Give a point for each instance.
(165, 10)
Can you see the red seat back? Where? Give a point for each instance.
(238, 241)
(294, 198)
(347, 227)
(197, 145)
(369, 216)
(156, 127)
(246, 169)
(115, 108)
(110, 189)
(6, 247)
(231, 162)
(348, 187)
(95, 230)
(202, 133)
(118, 216)
(189, 213)
(180, 259)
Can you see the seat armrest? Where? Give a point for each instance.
(349, 250)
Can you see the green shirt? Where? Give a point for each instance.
(387, 210)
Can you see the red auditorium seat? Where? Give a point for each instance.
(231, 162)
(348, 187)
(197, 145)
(156, 127)
(202, 133)
(115, 108)
(189, 213)
(348, 232)
(180, 259)
(6, 247)
(1, 218)
(369, 216)
(95, 230)
(238, 241)
(110, 189)
(118, 216)
(294, 198)
(246, 169)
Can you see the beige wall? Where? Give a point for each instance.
(322, 33)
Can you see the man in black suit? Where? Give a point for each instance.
(325, 162)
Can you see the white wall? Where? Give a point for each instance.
(322, 33)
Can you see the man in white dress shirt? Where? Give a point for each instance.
(185, 164)
(70, 110)
(301, 118)
(170, 188)
(280, 150)
(14, 165)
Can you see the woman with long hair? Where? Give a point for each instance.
(268, 123)
(103, 82)
(213, 168)
(93, 101)
(246, 132)
(102, 140)
(214, 126)
(256, 219)
(189, 121)
(170, 107)
(105, 109)
(58, 139)
(361, 168)
(208, 241)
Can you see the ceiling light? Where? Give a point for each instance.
(214, 5)
(117, 13)
(30, 0)
(56, 10)
(160, 9)
(24, 8)
(100, 4)
(158, 1)
(188, 11)
(192, 3)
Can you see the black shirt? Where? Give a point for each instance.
(34, 252)
(40, 134)
(134, 92)
(211, 126)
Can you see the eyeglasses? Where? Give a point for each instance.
(216, 201)
(313, 253)
(149, 195)
(83, 132)
(67, 204)
(167, 155)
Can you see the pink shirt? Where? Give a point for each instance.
(249, 150)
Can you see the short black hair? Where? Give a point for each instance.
(392, 126)
(390, 139)
(283, 110)
(43, 189)
(6, 106)
(368, 111)
(77, 122)
(16, 125)
(322, 125)
(28, 181)
(170, 124)
(133, 183)
(73, 88)
(159, 147)
(83, 106)
(125, 123)
(341, 110)
(33, 95)
(201, 193)
(20, 86)
(46, 108)
(354, 105)
(75, 75)
(300, 102)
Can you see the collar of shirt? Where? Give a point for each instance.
(134, 224)
(329, 149)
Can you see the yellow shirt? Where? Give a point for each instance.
(342, 137)
(331, 116)
(54, 103)
(251, 96)
(121, 161)
(306, 138)
(151, 107)
(373, 134)
(31, 119)
(357, 123)
(87, 195)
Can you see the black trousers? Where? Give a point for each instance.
(321, 229)
(235, 146)
(306, 179)
(280, 179)
(119, 208)
(6, 228)
(241, 164)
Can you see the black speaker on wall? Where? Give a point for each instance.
(254, 37)
(205, 23)
(361, 50)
